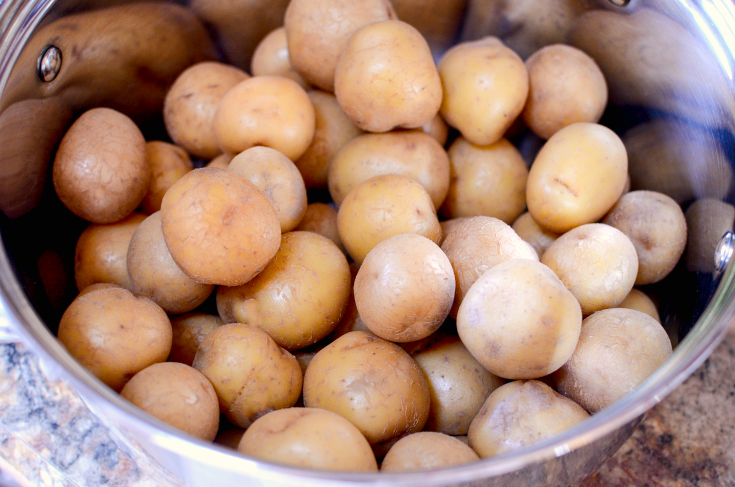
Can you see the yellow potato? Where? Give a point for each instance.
(639, 301)
(168, 164)
(270, 58)
(426, 451)
(222, 161)
(189, 331)
(321, 218)
(532, 233)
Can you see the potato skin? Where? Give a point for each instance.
(189, 331)
(639, 301)
(169, 163)
(426, 451)
(531, 232)
(270, 58)
(321, 218)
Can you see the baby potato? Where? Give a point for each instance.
(250, 373)
(154, 274)
(265, 110)
(115, 335)
(485, 88)
(189, 331)
(458, 385)
(178, 395)
(382, 207)
(449, 225)
(521, 413)
(412, 154)
(321, 218)
(577, 177)
(426, 451)
(100, 172)
(318, 32)
(192, 102)
(404, 288)
(168, 164)
(639, 301)
(437, 128)
(531, 232)
(310, 438)
(488, 180)
(386, 78)
(276, 176)
(219, 228)
(707, 220)
(566, 87)
(222, 161)
(101, 253)
(617, 350)
(332, 131)
(373, 383)
(300, 296)
(597, 263)
(657, 227)
(270, 58)
(519, 321)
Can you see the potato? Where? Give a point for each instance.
(300, 296)
(597, 263)
(437, 128)
(168, 164)
(154, 274)
(310, 438)
(639, 301)
(321, 218)
(566, 87)
(229, 437)
(189, 331)
(617, 350)
(278, 178)
(222, 161)
(265, 110)
(458, 385)
(178, 395)
(532, 233)
(486, 180)
(250, 373)
(192, 102)
(101, 253)
(318, 32)
(707, 221)
(373, 383)
(577, 177)
(426, 451)
(219, 228)
(404, 288)
(382, 207)
(115, 335)
(439, 21)
(351, 320)
(100, 172)
(519, 321)
(449, 225)
(658, 229)
(386, 78)
(332, 131)
(521, 413)
(485, 88)
(271, 58)
(412, 154)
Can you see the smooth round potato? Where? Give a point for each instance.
(176, 394)
(189, 331)
(519, 321)
(458, 385)
(657, 227)
(382, 207)
(617, 350)
(488, 180)
(318, 31)
(449, 225)
(222, 161)
(219, 228)
(639, 301)
(154, 274)
(278, 178)
(115, 335)
(476, 245)
(577, 177)
(531, 232)
(270, 58)
(265, 110)
(192, 102)
(310, 438)
(427, 451)
(521, 413)
(300, 296)
(101, 253)
(100, 172)
(321, 218)
(250, 373)
(373, 383)
(597, 263)
(437, 128)
(386, 78)
(332, 131)
(351, 320)
(404, 288)
(95, 287)
(707, 221)
(485, 88)
(168, 164)
(412, 154)
(566, 87)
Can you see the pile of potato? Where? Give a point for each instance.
(417, 342)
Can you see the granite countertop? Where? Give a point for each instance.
(48, 436)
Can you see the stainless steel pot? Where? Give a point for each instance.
(661, 59)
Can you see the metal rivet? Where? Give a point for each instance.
(620, 3)
(49, 64)
(723, 252)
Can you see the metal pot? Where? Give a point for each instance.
(670, 60)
